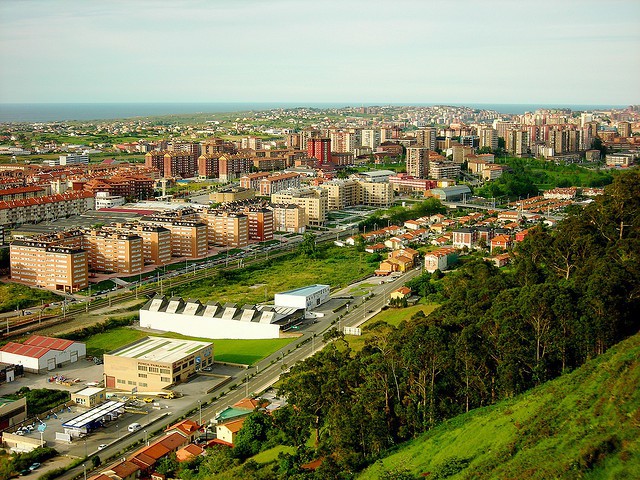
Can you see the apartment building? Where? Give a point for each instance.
(114, 252)
(188, 235)
(290, 218)
(441, 170)
(139, 187)
(50, 207)
(315, 202)
(21, 193)
(370, 137)
(233, 166)
(319, 148)
(260, 223)
(426, 137)
(488, 138)
(225, 228)
(209, 165)
(417, 161)
(155, 159)
(404, 183)
(345, 193)
(275, 183)
(45, 264)
(156, 241)
(252, 180)
(180, 164)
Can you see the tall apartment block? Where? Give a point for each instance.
(44, 264)
(156, 241)
(426, 137)
(260, 224)
(114, 252)
(417, 161)
(319, 148)
(488, 138)
(226, 229)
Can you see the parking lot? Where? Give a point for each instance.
(138, 410)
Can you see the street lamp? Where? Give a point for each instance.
(84, 468)
(146, 438)
(200, 412)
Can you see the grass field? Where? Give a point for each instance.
(271, 454)
(15, 296)
(234, 351)
(392, 316)
(581, 425)
(338, 267)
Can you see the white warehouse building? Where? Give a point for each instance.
(216, 321)
(307, 298)
(40, 354)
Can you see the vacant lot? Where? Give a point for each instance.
(337, 267)
(15, 296)
(235, 351)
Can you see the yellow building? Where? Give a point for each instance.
(153, 363)
(89, 397)
(226, 229)
(315, 202)
(289, 218)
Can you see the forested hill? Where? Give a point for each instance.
(572, 293)
(585, 424)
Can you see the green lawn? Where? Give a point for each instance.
(271, 454)
(337, 267)
(235, 351)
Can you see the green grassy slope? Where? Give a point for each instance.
(583, 425)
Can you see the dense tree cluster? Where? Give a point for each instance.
(573, 293)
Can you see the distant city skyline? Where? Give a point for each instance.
(409, 51)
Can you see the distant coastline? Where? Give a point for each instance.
(52, 112)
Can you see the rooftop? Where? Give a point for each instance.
(304, 291)
(159, 349)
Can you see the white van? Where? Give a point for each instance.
(134, 427)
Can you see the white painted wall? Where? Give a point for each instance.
(207, 327)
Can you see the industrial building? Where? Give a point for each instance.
(306, 298)
(153, 363)
(213, 320)
(40, 354)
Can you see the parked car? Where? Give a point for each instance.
(34, 466)
(101, 446)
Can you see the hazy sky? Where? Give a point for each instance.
(358, 51)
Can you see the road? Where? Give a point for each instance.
(265, 373)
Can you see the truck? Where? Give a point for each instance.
(168, 395)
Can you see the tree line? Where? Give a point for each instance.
(572, 293)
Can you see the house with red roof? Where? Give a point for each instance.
(189, 452)
(187, 428)
(505, 242)
(40, 354)
(440, 259)
(226, 432)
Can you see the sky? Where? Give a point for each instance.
(357, 51)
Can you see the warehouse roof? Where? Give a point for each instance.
(159, 349)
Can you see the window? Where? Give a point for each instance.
(142, 375)
(165, 379)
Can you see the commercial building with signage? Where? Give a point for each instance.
(152, 364)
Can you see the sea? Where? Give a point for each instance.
(54, 112)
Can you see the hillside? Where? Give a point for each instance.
(585, 424)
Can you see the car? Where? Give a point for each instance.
(24, 472)
(208, 368)
(147, 400)
(34, 466)
(101, 446)
(134, 427)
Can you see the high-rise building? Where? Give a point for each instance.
(488, 138)
(226, 228)
(426, 137)
(114, 252)
(319, 148)
(180, 164)
(418, 161)
(517, 142)
(370, 138)
(260, 223)
(290, 218)
(624, 129)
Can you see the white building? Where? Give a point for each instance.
(217, 321)
(39, 354)
(307, 298)
(70, 159)
(104, 200)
